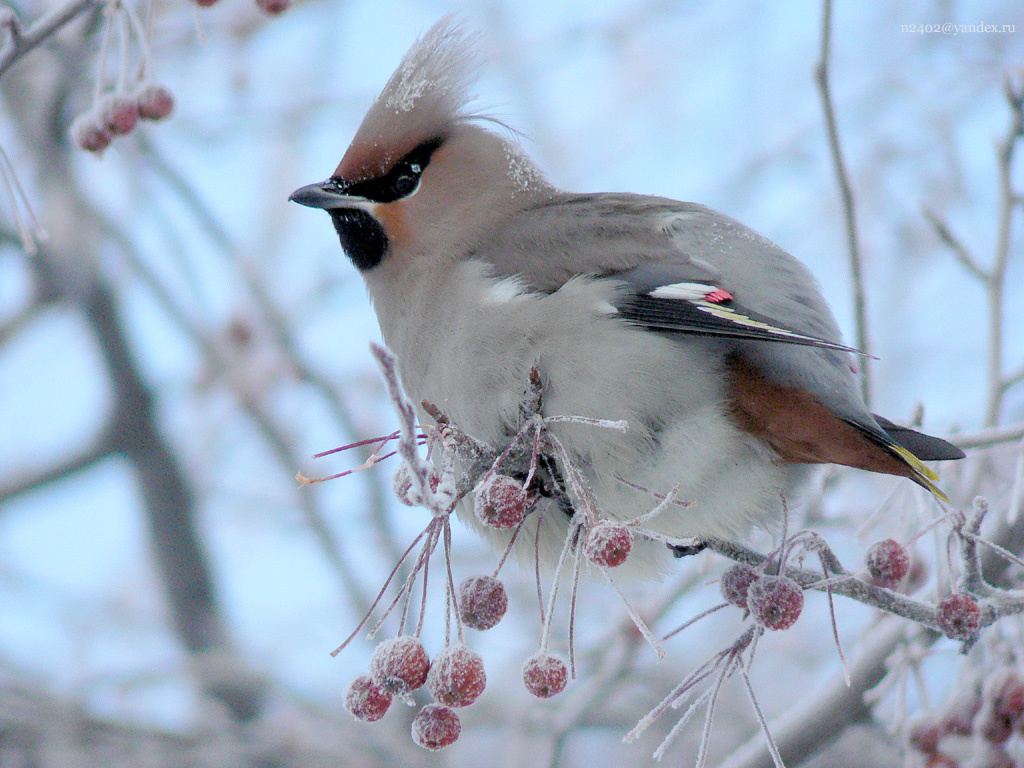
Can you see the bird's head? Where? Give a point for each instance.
(423, 178)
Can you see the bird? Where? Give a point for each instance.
(714, 345)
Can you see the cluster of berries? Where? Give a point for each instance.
(501, 502)
(455, 678)
(117, 114)
(775, 602)
(958, 616)
(977, 728)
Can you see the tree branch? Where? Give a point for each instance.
(821, 74)
(20, 41)
(92, 455)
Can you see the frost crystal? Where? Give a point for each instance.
(523, 173)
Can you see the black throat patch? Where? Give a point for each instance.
(361, 236)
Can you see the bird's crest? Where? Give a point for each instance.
(424, 99)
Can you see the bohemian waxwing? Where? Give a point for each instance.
(713, 343)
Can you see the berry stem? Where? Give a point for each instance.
(380, 595)
(451, 580)
(570, 537)
(145, 54)
(124, 44)
(101, 66)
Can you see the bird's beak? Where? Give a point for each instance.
(327, 195)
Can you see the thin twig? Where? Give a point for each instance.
(20, 41)
(956, 245)
(846, 193)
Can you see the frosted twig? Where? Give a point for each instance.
(570, 538)
(641, 625)
(773, 750)
(694, 620)
(21, 40)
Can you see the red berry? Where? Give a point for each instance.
(436, 727)
(400, 665)
(959, 617)
(87, 134)
(735, 583)
(940, 761)
(500, 502)
(888, 562)
(457, 676)
(401, 483)
(366, 700)
(482, 602)
(959, 717)
(273, 7)
(608, 544)
(545, 675)
(993, 726)
(117, 114)
(775, 601)
(205, 3)
(1009, 699)
(925, 734)
(154, 102)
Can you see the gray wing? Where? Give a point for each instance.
(651, 244)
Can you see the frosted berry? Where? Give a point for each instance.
(925, 735)
(959, 617)
(775, 601)
(994, 726)
(117, 114)
(888, 562)
(482, 602)
(500, 502)
(735, 583)
(436, 727)
(545, 675)
(457, 676)
(959, 717)
(205, 3)
(939, 760)
(1009, 699)
(154, 102)
(273, 7)
(366, 700)
(87, 134)
(608, 544)
(402, 484)
(400, 665)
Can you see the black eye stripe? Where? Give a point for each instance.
(401, 180)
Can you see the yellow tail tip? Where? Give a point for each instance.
(925, 475)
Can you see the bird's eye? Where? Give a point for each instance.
(405, 184)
